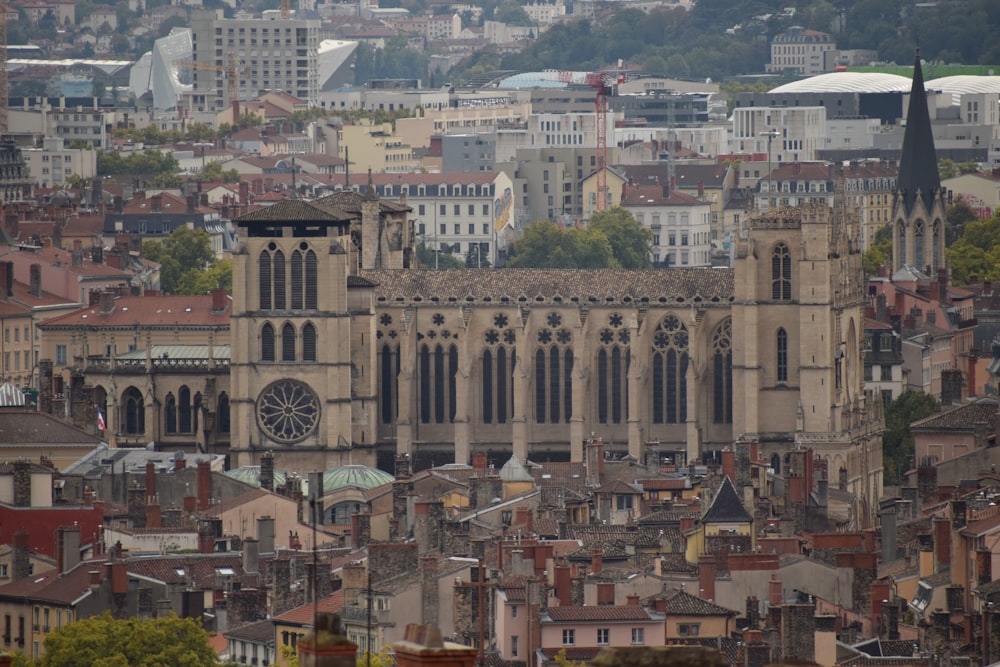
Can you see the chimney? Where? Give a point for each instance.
(888, 520)
(265, 533)
(192, 203)
(219, 300)
(22, 556)
(97, 254)
(6, 279)
(22, 483)
(153, 519)
(251, 556)
(422, 645)
(942, 544)
(706, 577)
(156, 203)
(267, 471)
(429, 596)
(563, 585)
(826, 640)
(107, 303)
(206, 537)
(35, 280)
(150, 478)
(594, 459)
(480, 461)
(596, 561)
(204, 483)
(67, 548)
(244, 193)
(729, 464)
(774, 593)
(632, 600)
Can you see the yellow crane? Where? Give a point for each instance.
(232, 73)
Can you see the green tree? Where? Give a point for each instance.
(897, 439)
(958, 214)
(512, 13)
(104, 641)
(194, 281)
(562, 661)
(546, 245)
(879, 253)
(630, 242)
(977, 251)
(185, 250)
(429, 258)
(214, 172)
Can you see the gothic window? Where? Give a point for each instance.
(901, 243)
(134, 408)
(267, 343)
(782, 365)
(184, 424)
(487, 387)
(222, 413)
(722, 373)
(264, 279)
(554, 373)
(312, 288)
(612, 372)
(171, 416)
(918, 245)
(498, 370)
(437, 368)
(936, 248)
(288, 342)
(195, 411)
(308, 342)
(776, 463)
(670, 361)
(389, 371)
(297, 280)
(781, 273)
(279, 280)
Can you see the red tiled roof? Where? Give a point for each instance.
(148, 311)
(203, 569)
(53, 587)
(653, 195)
(599, 613)
(170, 204)
(64, 258)
(332, 604)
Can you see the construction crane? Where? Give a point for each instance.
(232, 72)
(599, 82)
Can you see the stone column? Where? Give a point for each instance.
(522, 390)
(463, 387)
(636, 397)
(406, 385)
(695, 360)
(581, 363)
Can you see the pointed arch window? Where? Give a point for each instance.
(388, 374)
(171, 414)
(781, 273)
(670, 362)
(195, 412)
(554, 373)
(901, 244)
(267, 342)
(264, 279)
(184, 423)
(613, 361)
(297, 280)
(497, 373)
(134, 408)
(918, 245)
(222, 412)
(782, 356)
(312, 288)
(437, 384)
(279, 280)
(288, 342)
(308, 342)
(722, 373)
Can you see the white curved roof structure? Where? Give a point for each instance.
(964, 84)
(848, 82)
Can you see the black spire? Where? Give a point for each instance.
(918, 166)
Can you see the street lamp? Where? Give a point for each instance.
(771, 135)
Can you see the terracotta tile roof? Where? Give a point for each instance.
(728, 646)
(675, 484)
(570, 614)
(352, 202)
(204, 569)
(292, 210)
(619, 487)
(170, 205)
(575, 653)
(676, 562)
(682, 603)
(88, 269)
(304, 615)
(546, 527)
(512, 286)
(53, 587)
(657, 195)
(962, 418)
(803, 171)
(147, 311)
(595, 535)
(261, 631)
(515, 588)
(19, 427)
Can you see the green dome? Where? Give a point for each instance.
(355, 475)
(251, 475)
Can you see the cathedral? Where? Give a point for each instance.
(343, 352)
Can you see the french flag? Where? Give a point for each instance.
(100, 421)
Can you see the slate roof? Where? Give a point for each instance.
(962, 418)
(52, 587)
(570, 614)
(918, 162)
(682, 603)
(512, 286)
(20, 427)
(727, 507)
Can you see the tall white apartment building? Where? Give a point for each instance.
(272, 54)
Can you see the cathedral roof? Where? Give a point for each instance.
(294, 210)
(585, 286)
(918, 165)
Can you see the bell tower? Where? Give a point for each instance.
(303, 365)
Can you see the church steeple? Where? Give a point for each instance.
(918, 166)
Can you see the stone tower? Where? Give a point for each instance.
(918, 212)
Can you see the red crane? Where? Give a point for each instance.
(598, 82)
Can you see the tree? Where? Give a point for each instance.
(562, 661)
(545, 245)
(959, 213)
(430, 258)
(185, 250)
(977, 252)
(879, 253)
(897, 440)
(214, 172)
(203, 282)
(105, 641)
(630, 242)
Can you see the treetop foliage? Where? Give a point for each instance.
(612, 240)
(187, 263)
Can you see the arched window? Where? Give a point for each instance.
(222, 413)
(901, 243)
(936, 250)
(781, 273)
(311, 281)
(670, 362)
(184, 410)
(288, 342)
(195, 412)
(487, 387)
(297, 280)
(388, 372)
(264, 279)
(267, 342)
(554, 373)
(437, 368)
(497, 375)
(918, 246)
(171, 414)
(279, 280)
(612, 372)
(308, 342)
(782, 357)
(776, 463)
(134, 408)
(722, 373)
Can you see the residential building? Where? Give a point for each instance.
(800, 49)
(594, 627)
(688, 616)
(375, 148)
(680, 224)
(51, 165)
(253, 643)
(884, 376)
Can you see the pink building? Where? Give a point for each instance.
(589, 628)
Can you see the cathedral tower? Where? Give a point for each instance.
(918, 212)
